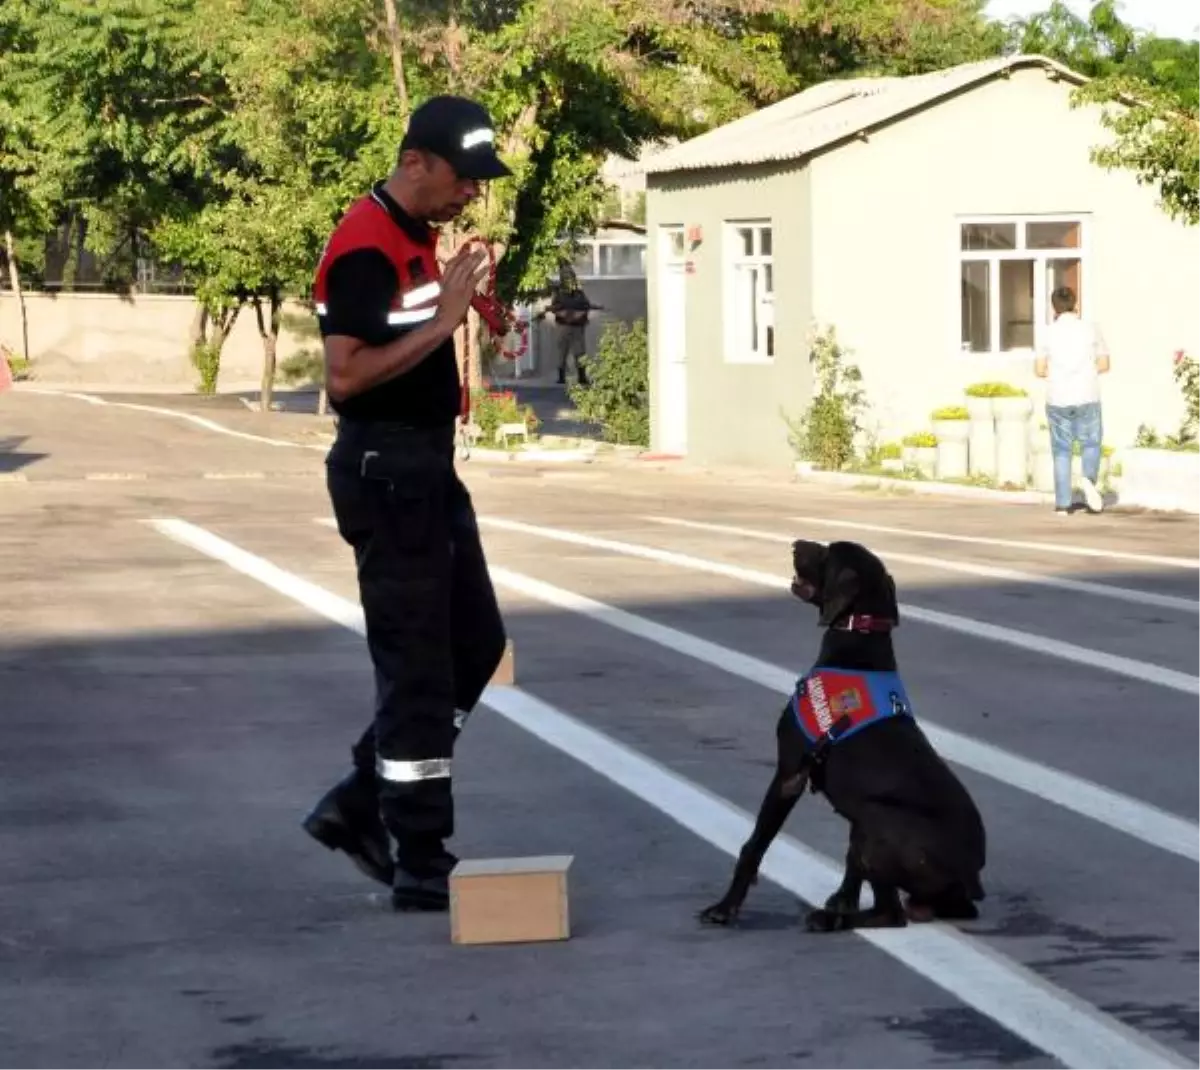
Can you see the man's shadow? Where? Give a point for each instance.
(12, 459)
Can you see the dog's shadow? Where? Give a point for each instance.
(763, 921)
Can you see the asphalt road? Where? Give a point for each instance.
(170, 707)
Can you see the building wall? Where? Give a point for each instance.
(885, 241)
(99, 339)
(733, 409)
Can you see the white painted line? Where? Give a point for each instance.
(1069, 549)
(199, 421)
(1084, 797)
(1100, 590)
(91, 399)
(1038, 644)
(1052, 1020)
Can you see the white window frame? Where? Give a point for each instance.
(1040, 257)
(737, 351)
(592, 245)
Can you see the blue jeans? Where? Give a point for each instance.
(1070, 424)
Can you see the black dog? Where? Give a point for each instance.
(849, 733)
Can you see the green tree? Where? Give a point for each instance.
(1155, 137)
(305, 94)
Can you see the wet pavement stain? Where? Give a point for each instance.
(266, 1054)
(965, 1035)
(1076, 945)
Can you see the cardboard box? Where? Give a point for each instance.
(506, 672)
(509, 900)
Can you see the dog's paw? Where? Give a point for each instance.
(824, 921)
(840, 903)
(719, 914)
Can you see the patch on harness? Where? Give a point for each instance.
(828, 699)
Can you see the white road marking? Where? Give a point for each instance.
(1052, 1020)
(199, 421)
(1141, 820)
(1038, 644)
(1101, 590)
(1016, 544)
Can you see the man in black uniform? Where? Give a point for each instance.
(388, 315)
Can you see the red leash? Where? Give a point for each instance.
(501, 321)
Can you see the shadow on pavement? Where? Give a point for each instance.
(12, 459)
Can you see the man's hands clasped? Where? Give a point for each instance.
(460, 282)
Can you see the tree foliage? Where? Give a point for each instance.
(226, 136)
(1155, 137)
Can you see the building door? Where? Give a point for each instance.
(672, 401)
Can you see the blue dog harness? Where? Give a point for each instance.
(832, 704)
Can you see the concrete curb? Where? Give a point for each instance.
(856, 481)
(543, 456)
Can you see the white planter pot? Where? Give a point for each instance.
(982, 453)
(1012, 440)
(953, 437)
(1011, 408)
(925, 460)
(952, 430)
(1042, 466)
(980, 409)
(1160, 479)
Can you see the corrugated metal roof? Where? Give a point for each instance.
(828, 112)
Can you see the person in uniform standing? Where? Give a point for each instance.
(387, 315)
(570, 307)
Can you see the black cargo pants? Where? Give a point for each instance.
(434, 629)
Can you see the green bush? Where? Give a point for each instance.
(920, 440)
(207, 361)
(617, 398)
(490, 410)
(1149, 439)
(951, 412)
(890, 451)
(305, 368)
(995, 390)
(825, 433)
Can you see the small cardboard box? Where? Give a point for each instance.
(506, 672)
(509, 900)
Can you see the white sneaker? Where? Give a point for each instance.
(1091, 495)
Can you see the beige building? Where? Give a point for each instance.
(927, 219)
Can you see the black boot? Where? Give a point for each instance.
(347, 819)
(423, 883)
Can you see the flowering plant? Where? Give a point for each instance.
(1187, 375)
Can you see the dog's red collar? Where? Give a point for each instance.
(864, 622)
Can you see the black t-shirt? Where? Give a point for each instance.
(379, 258)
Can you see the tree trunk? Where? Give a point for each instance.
(198, 333)
(14, 277)
(222, 324)
(268, 331)
(395, 40)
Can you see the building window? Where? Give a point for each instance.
(1008, 268)
(600, 258)
(750, 291)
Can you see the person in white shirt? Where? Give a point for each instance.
(1071, 358)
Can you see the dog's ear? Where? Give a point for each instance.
(841, 589)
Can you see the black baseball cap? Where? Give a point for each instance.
(461, 132)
